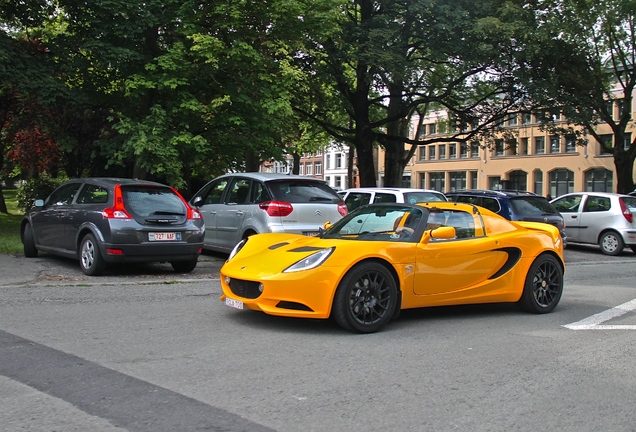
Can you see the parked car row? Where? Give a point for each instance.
(100, 221)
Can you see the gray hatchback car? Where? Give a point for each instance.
(602, 218)
(235, 206)
(112, 220)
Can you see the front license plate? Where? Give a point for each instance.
(164, 236)
(310, 233)
(237, 304)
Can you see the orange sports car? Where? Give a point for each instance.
(382, 258)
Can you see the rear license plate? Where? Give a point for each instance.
(164, 236)
(237, 304)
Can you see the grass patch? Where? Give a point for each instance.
(10, 225)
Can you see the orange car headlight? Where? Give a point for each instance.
(311, 261)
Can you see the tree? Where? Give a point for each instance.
(383, 63)
(584, 56)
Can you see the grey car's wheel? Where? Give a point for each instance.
(184, 266)
(30, 251)
(91, 260)
(611, 243)
(365, 299)
(544, 285)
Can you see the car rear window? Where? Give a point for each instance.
(147, 200)
(303, 192)
(532, 206)
(630, 203)
(417, 197)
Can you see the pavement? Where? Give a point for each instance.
(52, 270)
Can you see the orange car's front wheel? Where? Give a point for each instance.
(365, 299)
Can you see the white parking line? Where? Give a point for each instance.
(594, 322)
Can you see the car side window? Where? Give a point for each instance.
(464, 224)
(92, 194)
(355, 200)
(596, 204)
(259, 193)
(491, 204)
(63, 195)
(468, 199)
(239, 192)
(568, 204)
(215, 193)
(384, 198)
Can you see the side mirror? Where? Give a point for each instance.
(38, 203)
(197, 201)
(327, 225)
(443, 233)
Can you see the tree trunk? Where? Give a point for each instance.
(252, 161)
(3, 204)
(624, 171)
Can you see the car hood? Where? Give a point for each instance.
(271, 253)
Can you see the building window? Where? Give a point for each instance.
(538, 182)
(319, 152)
(437, 181)
(512, 119)
(337, 182)
(518, 180)
(570, 144)
(526, 118)
(301, 169)
(555, 144)
(452, 151)
(499, 147)
(599, 180)
(432, 129)
(338, 160)
(442, 151)
(431, 152)
(474, 149)
(522, 147)
(561, 182)
(318, 167)
(309, 169)
(422, 150)
(328, 180)
(627, 141)
(473, 179)
(457, 180)
(609, 106)
(539, 145)
(494, 183)
(463, 152)
(606, 144)
(328, 161)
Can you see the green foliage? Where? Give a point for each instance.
(10, 225)
(37, 188)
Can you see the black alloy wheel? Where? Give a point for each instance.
(544, 285)
(365, 299)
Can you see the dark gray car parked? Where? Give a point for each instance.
(112, 220)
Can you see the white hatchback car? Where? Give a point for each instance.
(602, 218)
(358, 197)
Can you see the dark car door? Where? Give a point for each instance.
(50, 222)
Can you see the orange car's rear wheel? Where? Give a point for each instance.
(544, 285)
(365, 299)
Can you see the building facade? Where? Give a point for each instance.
(536, 161)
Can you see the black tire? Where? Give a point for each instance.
(543, 287)
(30, 251)
(633, 248)
(365, 299)
(184, 266)
(91, 261)
(611, 243)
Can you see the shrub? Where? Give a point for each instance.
(33, 189)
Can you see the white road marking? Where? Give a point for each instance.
(594, 322)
